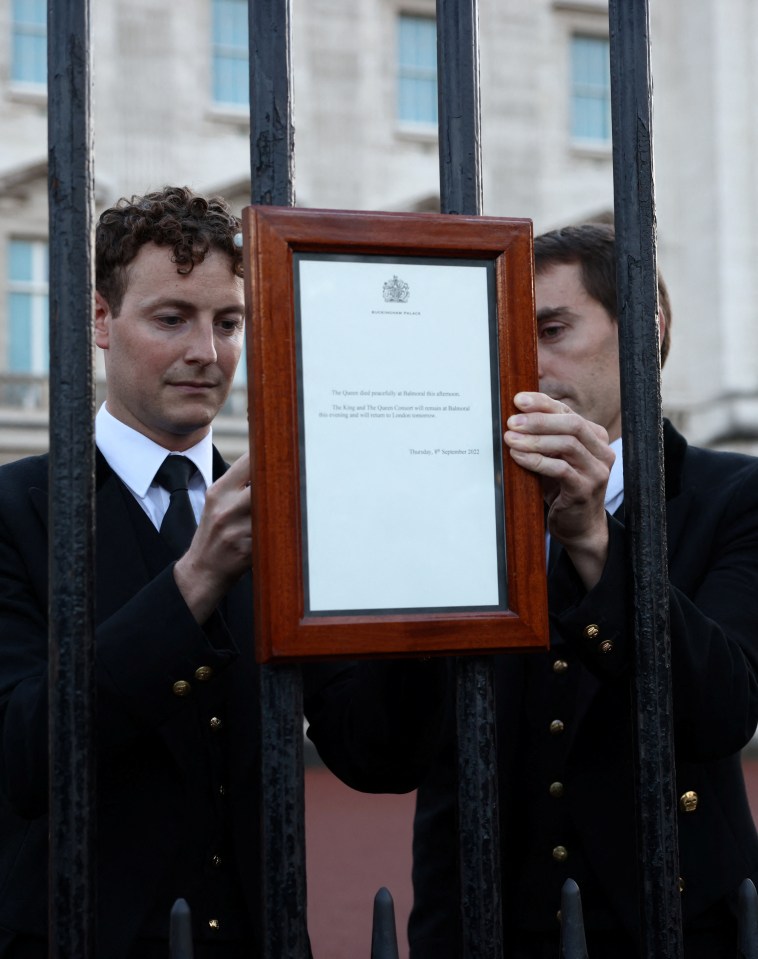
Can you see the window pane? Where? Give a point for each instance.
(20, 260)
(590, 89)
(19, 341)
(230, 56)
(30, 11)
(28, 308)
(29, 41)
(230, 22)
(417, 69)
(589, 119)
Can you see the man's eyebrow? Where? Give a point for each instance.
(553, 313)
(177, 303)
(158, 302)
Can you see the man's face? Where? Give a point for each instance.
(171, 353)
(577, 348)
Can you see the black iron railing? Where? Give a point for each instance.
(72, 508)
(72, 468)
(644, 501)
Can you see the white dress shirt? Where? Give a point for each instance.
(135, 459)
(614, 491)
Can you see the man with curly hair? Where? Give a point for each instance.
(177, 704)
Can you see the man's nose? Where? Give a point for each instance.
(540, 364)
(201, 346)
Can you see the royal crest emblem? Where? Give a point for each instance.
(396, 291)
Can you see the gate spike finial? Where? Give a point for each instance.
(180, 931)
(573, 942)
(748, 921)
(384, 933)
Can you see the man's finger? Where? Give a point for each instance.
(540, 403)
(581, 451)
(525, 430)
(237, 476)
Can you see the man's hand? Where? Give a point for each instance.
(221, 548)
(574, 460)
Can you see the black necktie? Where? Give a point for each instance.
(178, 526)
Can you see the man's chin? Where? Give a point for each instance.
(188, 421)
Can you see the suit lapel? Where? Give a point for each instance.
(129, 550)
(677, 501)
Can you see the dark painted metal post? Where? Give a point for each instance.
(72, 471)
(461, 192)
(283, 800)
(573, 942)
(748, 921)
(459, 110)
(384, 930)
(272, 137)
(180, 931)
(643, 474)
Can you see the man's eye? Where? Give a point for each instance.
(230, 326)
(550, 332)
(170, 319)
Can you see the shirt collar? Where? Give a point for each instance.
(135, 458)
(614, 491)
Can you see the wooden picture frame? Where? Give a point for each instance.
(442, 562)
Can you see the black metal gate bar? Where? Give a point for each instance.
(643, 474)
(461, 192)
(72, 472)
(272, 137)
(283, 815)
(478, 824)
(283, 800)
(459, 111)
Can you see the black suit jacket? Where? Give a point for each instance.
(160, 769)
(712, 532)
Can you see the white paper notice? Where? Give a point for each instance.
(398, 435)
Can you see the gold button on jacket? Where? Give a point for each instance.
(182, 688)
(203, 673)
(688, 801)
(560, 854)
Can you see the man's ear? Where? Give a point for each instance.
(661, 325)
(663, 336)
(102, 321)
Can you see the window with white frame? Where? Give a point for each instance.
(27, 276)
(230, 53)
(416, 70)
(590, 89)
(29, 42)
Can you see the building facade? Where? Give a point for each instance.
(170, 106)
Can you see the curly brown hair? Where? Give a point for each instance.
(190, 224)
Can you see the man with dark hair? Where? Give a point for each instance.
(591, 247)
(177, 688)
(564, 719)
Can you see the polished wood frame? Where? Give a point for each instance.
(282, 629)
